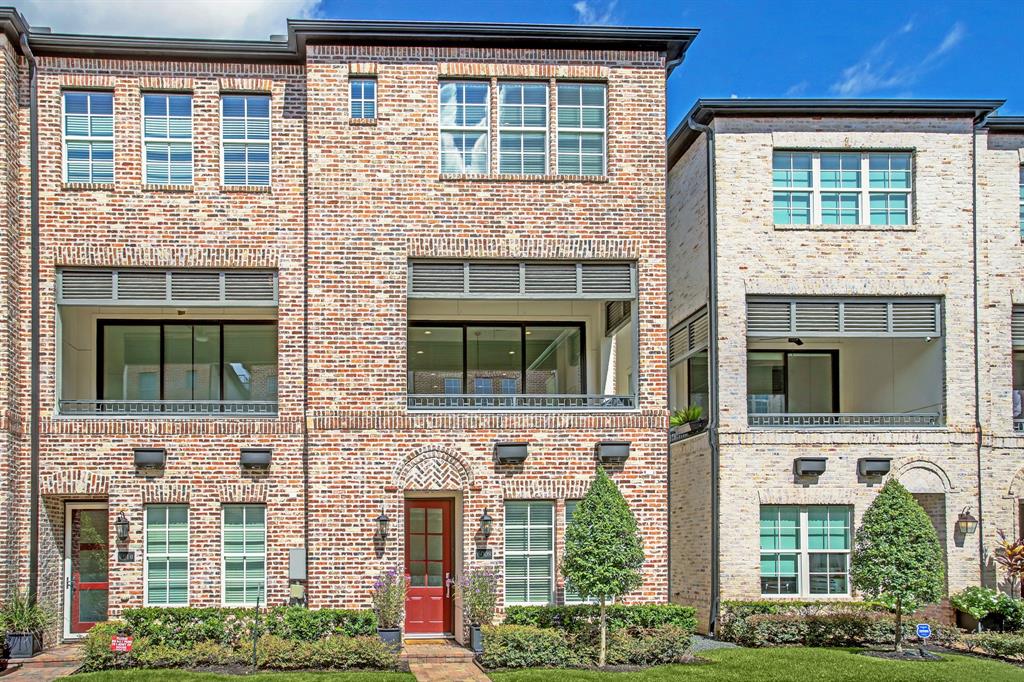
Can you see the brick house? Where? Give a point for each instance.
(838, 248)
(300, 309)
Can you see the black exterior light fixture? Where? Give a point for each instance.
(810, 466)
(486, 524)
(873, 467)
(966, 524)
(255, 458)
(382, 524)
(121, 527)
(150, 458)
(613, 452)
(510, 453)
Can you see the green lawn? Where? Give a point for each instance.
(795, 665)
(179, 676)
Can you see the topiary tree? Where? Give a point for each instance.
(603, 552)
(896, 554)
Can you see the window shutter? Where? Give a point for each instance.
(1017, 326)
(616, 315)
(688, 337)
(521, 279)
(908, 317)
(163, 287)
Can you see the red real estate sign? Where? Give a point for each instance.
(120, 644)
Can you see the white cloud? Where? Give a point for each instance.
(228, 19)
(797, 89)
(877, 70)
(588, 13)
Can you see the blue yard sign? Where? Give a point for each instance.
(924, 631)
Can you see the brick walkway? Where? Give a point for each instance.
(55, 662)
(441, 661)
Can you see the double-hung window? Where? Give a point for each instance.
(166, 555)
(465, 127)
(805, 551)
(529, 552)
(362, 97)
(167, 139)
(89, 137)
(244, 554)
(522, 128)
(581, 128)
(841, 188)
(245, 140)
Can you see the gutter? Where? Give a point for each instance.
(33, 512)
(712, 427)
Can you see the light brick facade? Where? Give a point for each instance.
(349, 204)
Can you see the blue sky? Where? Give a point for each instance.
(746, 48)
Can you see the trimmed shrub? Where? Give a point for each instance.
(735, 614)
(581, 618)
(1011, 610)
(1003, 644)
(836, 629)
(655, 646)
(200, 654)
(524, 646)
(98, 655)
(304, 624)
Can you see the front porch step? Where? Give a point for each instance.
(51, 664)
(434, 651)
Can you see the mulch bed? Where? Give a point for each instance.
(908, 654)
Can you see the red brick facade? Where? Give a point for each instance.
(349, 205)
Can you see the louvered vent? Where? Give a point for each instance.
(521, 279)
(616, 315)
(86, 285)
(1017, 326)
(162, 287)
(688, 337)
(844, 317)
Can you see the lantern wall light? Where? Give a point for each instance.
(966, 524)
(121, 527)
(382, 524)
(486, 524)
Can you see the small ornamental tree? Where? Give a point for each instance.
(1010, 555)
(896, 554)
(603, 552)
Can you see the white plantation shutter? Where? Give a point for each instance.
(529, 552)
(89, 137)
(1017, 326)
(245, 140)
(244, 554)
(167, 138)
(167, 555)
(522, 279)
(167, 287)
(899, 317)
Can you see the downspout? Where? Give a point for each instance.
(977, 346)
(305, 348)
(33, 512)
(712, 427)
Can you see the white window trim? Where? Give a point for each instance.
(168, 140)
(803, 557)
(146, 556)
(551, 558)
(269, 141)
(224, 557)
(528, 129)
(351, 100)
(65, 138)
(864, 192)
(603, 130)
(486, 129)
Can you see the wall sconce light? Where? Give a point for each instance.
(382, 524)
(486, 524)
(121, 527)
(966, 524)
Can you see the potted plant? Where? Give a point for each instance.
(23, 621)
(388, 603)
(688, 420)
(479, 591)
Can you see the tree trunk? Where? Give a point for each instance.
(602, 655)
(899, 625)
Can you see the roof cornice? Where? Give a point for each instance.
(704, 110)
(1004, 124)
(673, 42)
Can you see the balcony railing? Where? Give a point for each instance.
(847, 420)
(1018, 424)
(501, 401)
(169, 408)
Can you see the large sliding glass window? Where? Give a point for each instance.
(697, 380)
(801, 382)
(188, 361)
(498, 359)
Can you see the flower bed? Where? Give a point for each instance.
(287, 638)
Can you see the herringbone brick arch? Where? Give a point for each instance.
(433, 468)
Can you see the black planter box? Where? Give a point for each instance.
(476, 639)
(24, 644)
(391, 636)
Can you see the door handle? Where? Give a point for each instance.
(447, 585)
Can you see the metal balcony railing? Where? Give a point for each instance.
(169, 408)
(1018, 424)
(847, 420)
(499, 401)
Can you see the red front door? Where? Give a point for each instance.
(428, 566)
(90, 550)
